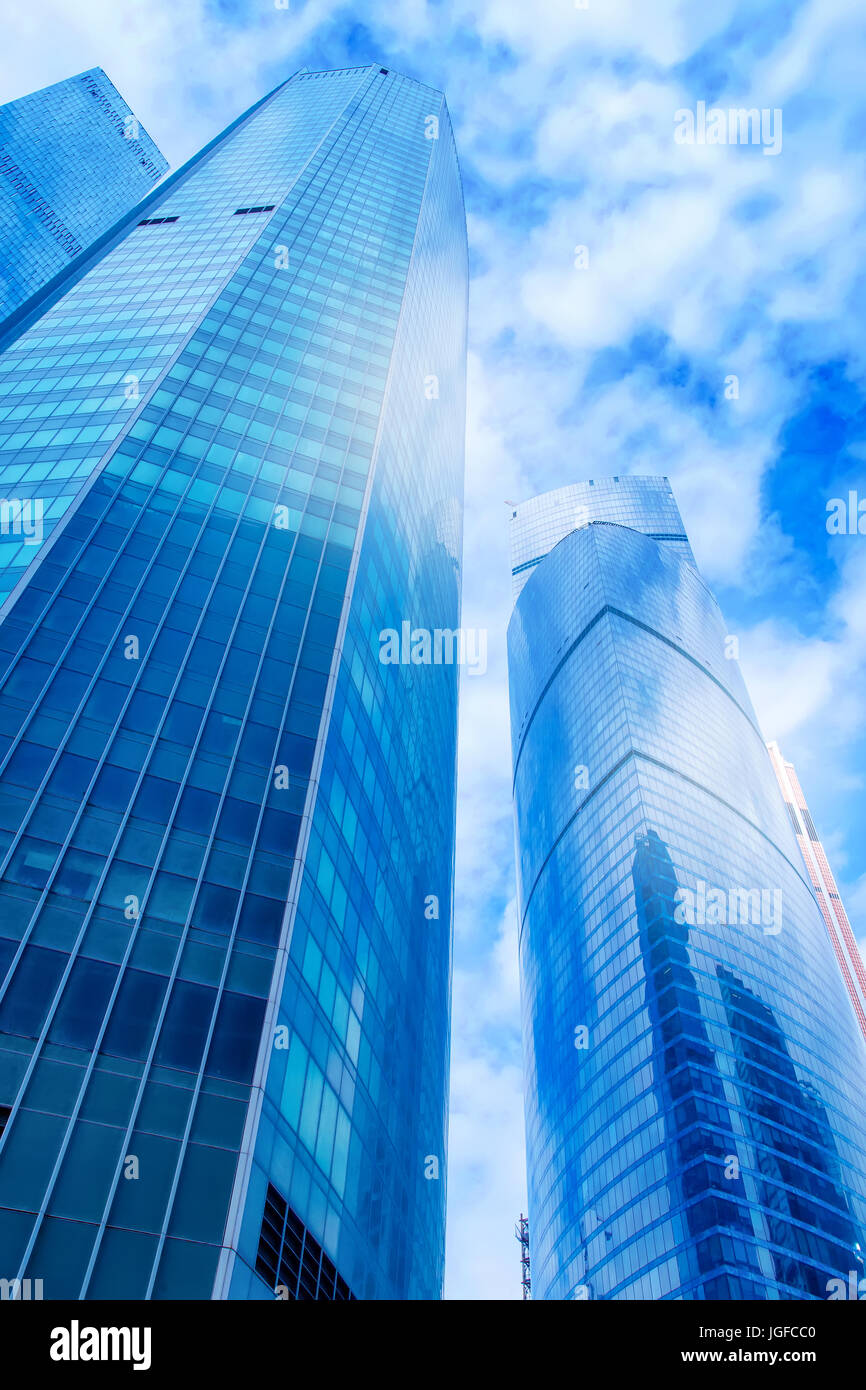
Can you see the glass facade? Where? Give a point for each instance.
(221, 998)
(73, 159)
(696, 1125)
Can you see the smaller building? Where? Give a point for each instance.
(836, 918)
(73, 159)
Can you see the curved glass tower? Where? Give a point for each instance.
(696, 1125)
(224, 995)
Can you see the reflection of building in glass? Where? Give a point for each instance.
(641, 780)
(224, 824)
(836, 918)
(702, 1147)
(808, 1229)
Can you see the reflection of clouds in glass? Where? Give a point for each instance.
(617, 662)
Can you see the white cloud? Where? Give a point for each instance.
(486, 1169)
(184, 71)
(814, 685)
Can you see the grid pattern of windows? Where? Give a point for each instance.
(696, 1125)
(79, 378)
(163, 673)
(73, 159)
(645, 504)
(291, 1261)
(350, 1115)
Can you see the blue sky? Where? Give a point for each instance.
(704, 262)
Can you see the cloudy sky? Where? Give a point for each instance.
(702, 263)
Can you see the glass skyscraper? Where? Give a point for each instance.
(696, 1122)
(235, 438)
(73, 159)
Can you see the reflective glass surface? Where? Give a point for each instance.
(196, 730)
(356, 1109)
(73, 159)
(694, 1101)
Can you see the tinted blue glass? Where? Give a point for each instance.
(237, 1035)
(78, 1017)
(133, 1019)
(353, 1164)
(29, 991)
(695, 1121)
(189, 670)
(73, 159)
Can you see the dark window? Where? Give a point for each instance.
(155, 221)
(133, 1018)
(279, 832)
(28, 765)
(82, 1008)
(114, 788)
(71, 775)
(269, 207)
(155, 799)
(197, 810)
(236, 1037)
(260, 919)
(215, 908)
(5, 1112)
(290, 1258)
(8, 949)
(237, 821)
(30, 991)
(185, 1026)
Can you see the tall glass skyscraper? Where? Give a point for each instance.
(821, 877)
(696, 1124)
(73, 159)
(226, 827)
